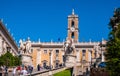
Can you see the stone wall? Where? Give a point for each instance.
(48, 72)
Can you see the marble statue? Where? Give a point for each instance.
(28, 45)
(25, 50)
(25, 47)
(69, 55)
(69, 47)
(22, 46)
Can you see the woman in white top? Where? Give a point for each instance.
(24, 71)
(14, 71)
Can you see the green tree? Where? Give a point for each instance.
(9, 60)
(113, 45)
(17, 60)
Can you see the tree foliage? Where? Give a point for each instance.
(9, 60)
(113, 45)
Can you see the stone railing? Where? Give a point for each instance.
(47, 72)
(87, 43)
(48, 43)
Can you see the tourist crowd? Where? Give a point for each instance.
(16, 71)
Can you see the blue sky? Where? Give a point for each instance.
(47, 19)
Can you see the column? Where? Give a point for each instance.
(96, 51)
(1, 45)
(89, 55)
(38, 56)
(4, 47)
(62, 56)
(84, 54)
(78, 55)
(51, 57)
(103, 58)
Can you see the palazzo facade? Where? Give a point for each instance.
(52, 53)
(7, 43)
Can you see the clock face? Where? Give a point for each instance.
(72, 29)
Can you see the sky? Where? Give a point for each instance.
(47, 19)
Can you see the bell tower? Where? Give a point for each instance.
(73, 31)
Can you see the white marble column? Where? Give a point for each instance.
(52, 57)
(103, 58)
(1, 47)
(78, 55)
(1, 44)
(4, 47)
(96, 50)
(38, 56)
(84, 55)
(89, 55)
(62, 55)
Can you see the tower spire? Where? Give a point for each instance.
(73, 12)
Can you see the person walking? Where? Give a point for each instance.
(6, 71)
(19, 68)
(38, 67)
(24, 72)
(14, 71)
(30, 69)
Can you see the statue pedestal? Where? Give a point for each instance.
(70, 60)
(72, 63)
(26, 59)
